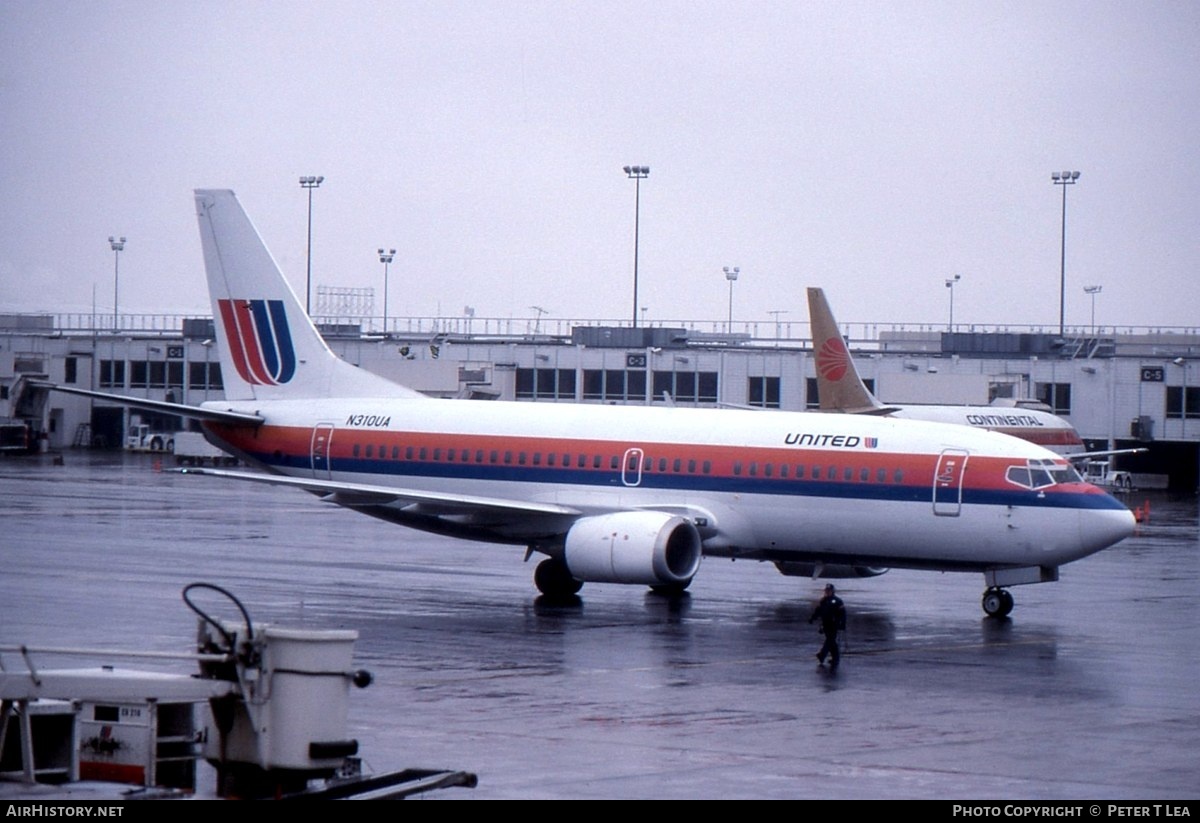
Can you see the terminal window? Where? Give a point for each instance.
(763, 392)
(1183, 402)
(686, 386)
(614, 385)
(545, 384)
(112, 374)
(1055, 395)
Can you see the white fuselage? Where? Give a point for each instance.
(780, 486)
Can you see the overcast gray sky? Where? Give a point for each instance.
(873, 149)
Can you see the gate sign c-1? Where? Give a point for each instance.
(1152, 374)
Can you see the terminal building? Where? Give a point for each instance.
(1120, 388)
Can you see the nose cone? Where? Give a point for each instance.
(1101, 528)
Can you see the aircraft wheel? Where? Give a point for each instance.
(553, 579)
(671, 589)
(997, 602)
(1007, 597)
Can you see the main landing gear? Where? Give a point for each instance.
(997, 602)
(553, 579)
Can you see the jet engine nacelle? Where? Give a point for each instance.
(652, 548)
(823, 570)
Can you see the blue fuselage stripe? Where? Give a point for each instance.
(683, 482)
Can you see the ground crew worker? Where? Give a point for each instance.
(831, 611)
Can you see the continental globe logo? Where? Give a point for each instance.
(833, 360)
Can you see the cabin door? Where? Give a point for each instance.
(948, 482)
(631, 467)
(322, 436)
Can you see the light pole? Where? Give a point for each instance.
(309, 183)
(1093, 291)
(637, 174)
(950, 285)
(731, 275)
(1064, 179)
(118, 246)
(386, 258)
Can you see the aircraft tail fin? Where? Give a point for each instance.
(269, 348)
(838, 385)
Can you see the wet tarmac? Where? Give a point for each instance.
(1089, 691)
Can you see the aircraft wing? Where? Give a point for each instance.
(181, 409)
(1076, 457)
(363, 494)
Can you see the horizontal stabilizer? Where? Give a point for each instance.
(162, 406)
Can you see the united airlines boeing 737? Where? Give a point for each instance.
(627, 494)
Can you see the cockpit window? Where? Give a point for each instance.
(1018, 475)
(1038, 474)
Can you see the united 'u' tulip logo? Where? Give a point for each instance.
(259, 341)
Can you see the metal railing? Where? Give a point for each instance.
(525, 328)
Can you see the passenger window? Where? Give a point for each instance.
(408, 453)
(737, 467)
(494, 456)
(614, 462)
(437, 455)
(356, 450)
(537, 458)
(800, 472)
(479, 455)
(783, 470)
(550, 458)
(395, 452)
(521, 458)
(753, 469)
(831, 473)
(691, 467)
(423, 452)
(881, 475)
(662, 464)
(508, 458)
(676, 465)
(370, 449)
(595, 461)
(898, 476)
(707, 467)
(864, 474)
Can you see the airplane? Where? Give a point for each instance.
(625, 494)
(841, 389)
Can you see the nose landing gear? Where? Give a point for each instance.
(997, 602)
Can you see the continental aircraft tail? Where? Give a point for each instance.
(269, 348)
(838, 385)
